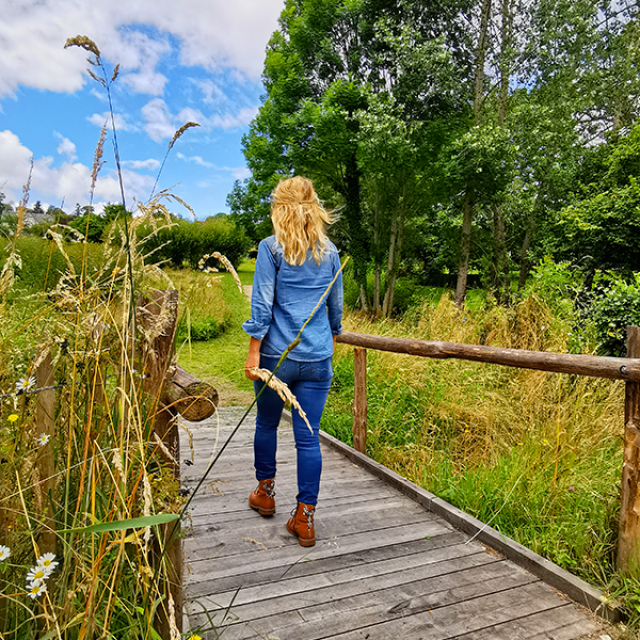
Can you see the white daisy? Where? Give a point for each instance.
(36, 589)
(25, 384)
(38, 574)
(43, 439)
(47, 561)
(5, 552)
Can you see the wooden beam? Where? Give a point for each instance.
(360, 400)
(45, 464)
(627, 369)
(629, 532)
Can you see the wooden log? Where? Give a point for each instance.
(360, 400)
(629, 531)
(189, 396)
(45, 463)
(627, 369)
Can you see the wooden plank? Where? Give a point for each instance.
(458, 618)
(382, 568)
(575, 364)
(201, 584)
(364, 576)
(371, 610)
(283, 546)
(577, 589)
(567, 623)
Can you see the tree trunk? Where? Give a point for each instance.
(395, 249)
(468, 203)
(353, 215)
(501, 280)
(465, 249)
(501, 277)
(525, 263)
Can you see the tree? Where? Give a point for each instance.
(327, 66)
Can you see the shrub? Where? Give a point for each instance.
(184, 243)
(615, 306)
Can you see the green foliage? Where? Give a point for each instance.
(184, 243)
(90, 225)
(615, 306)
(42, 263)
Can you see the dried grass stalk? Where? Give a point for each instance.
(227, 265)
(282, 390)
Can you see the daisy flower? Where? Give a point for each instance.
(25, 384)
(37, 574)
(5, 552)
(36, 589)
(43, 439)
(47, 561)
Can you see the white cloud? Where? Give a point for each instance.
(66, 147)
(69, 182)
(196, 159)
(99, 120)
(211, 92)
(162, 124)
(229, 121)
(152, 164)
(158, 117)
(214, 34)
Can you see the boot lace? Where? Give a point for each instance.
(309, 513)
(269, 489)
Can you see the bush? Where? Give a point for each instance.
(186, 242)
(615, 306)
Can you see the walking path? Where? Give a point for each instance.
(383, 567)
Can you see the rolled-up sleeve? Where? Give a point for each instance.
(262, 295)
(335, 298)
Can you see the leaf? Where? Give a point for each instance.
(132, 523)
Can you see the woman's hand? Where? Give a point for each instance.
(253, 359)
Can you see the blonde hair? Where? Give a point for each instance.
(299, 220)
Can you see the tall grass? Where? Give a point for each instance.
(99, 452)
(537, 455)
(83, 484)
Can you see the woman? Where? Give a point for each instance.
(294, 268)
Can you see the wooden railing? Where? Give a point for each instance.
(626, 369)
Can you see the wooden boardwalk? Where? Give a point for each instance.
(383, 567)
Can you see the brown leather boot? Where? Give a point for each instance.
(301, 524)
(263, 499)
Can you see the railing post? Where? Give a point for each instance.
(45, 464)
(360, 400)
(629, 532)
(162, 307)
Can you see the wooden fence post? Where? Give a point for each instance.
(159, 316)
(360, 400)
(629, 532)
(45, 464)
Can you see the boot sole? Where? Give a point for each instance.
(304, 542)
(263, 512)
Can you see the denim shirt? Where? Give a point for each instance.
(284, 296)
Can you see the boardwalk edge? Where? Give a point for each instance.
(576, 589)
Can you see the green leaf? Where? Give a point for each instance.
(132, 523)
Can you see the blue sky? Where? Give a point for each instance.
(192, 60)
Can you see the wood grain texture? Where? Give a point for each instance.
(383, 567)
(577, 364)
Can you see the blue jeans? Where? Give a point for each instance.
(309, 382)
